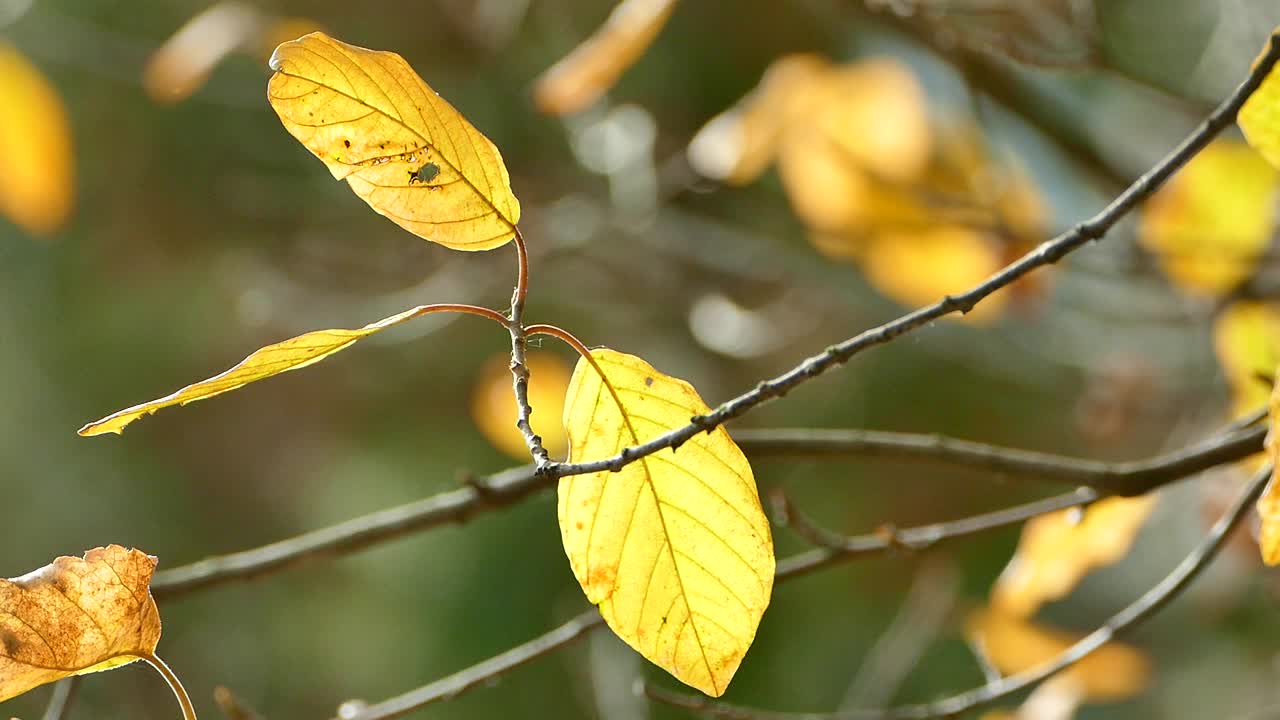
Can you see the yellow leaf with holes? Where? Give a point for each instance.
(674, 548)
(1246, 339)
(1212, 222)
(919, 268)
(37, 166)
(493, 405)
(1012, 645)
(398, 144)
(1057, 550)
(75, 616)
(1259, 117)
(581, 77)
(263, 363)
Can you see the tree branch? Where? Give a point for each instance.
(64, 692)
(1125, 478)
(1047, 253)
(1144, 607)
(450, 687)
(519, 369)
(511, 486)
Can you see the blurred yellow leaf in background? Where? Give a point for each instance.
(917, 269)
(1012, 645)
(493, 405)
(75, 616)
(674, 548)
(1057, 550)
(581, 77)
(401, 147)
(1246, 339)
(37, 164)
(1210, 224)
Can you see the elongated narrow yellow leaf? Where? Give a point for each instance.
(290, 354)
(398, 144)
(674, 548)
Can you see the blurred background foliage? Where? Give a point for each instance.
(199, 231)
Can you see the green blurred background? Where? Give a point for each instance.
(203, 231)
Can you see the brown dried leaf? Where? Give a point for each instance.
(75, 616)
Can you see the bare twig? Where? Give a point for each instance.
(450, 687)
(511, 486)
(519, 369)
(1144, 607)
(60, 702)
(1125, 478)
(1047, 253)
(923, 537)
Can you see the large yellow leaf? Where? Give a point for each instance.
(290, 354)
(494, 410)
(76, 615)
(398, 144)
(1214, 219)
(581, 77)
(1057, 550)
(37, 183)
(674, 548)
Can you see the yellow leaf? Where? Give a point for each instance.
(1214, 219)
(827, 190)
(1058, 549)
(1113, 672)
(398, 144)
(1246, 339)
(674, 548)
(1259, 117)
(920, 268)
(37, 169)
(581, 77)
(183, 63)
(493, 405)
(75, 616)
(263, 363)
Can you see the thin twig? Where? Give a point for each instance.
(1125, 478)
(519, 368)
(511, 486)
(1047, 253)
(450, 687)
(1144, 607)
(924, 537)
(64, 692)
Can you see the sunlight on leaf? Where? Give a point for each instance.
(494, 411)
(1259, 117)
(674, 548)
(581, 77)
(404, 150)
(1012, 645)
(290, 354)
(1210, 224)
(1057, 550)
(75, 616)
(37, 165)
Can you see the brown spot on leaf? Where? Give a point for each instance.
(648, 382)
(10, 642)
